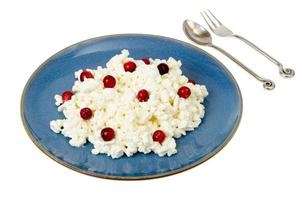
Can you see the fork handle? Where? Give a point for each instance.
(267, 84)
(285, 72)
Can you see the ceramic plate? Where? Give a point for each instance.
(223, 106)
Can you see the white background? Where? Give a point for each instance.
(263, 160)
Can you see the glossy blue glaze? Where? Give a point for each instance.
(223, 106)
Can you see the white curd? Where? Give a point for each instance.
(133, 121)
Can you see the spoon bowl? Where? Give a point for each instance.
(197, 33)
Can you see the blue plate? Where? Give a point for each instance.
(223, 106)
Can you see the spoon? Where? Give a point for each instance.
(201, 36)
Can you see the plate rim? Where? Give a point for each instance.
(141, 177)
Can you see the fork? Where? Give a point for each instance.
(219, 29)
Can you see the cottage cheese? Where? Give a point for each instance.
(133, 122)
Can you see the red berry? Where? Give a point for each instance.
(129, 66)
(85, 74)
(159, 136)
(191, 81)
(142, 95)
(184, 92)
(163, 68)
(107, 134)
(86, 113)
(109, 81)
(146, 61)
(66, 96)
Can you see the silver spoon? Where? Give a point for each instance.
(201, 36)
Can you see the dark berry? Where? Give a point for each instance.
(163, 68)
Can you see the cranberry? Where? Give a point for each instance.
(142, 95)
(107, 134)
(109, 81)
(146, 61)
(85, 74)
(184, 92)
(86, 113)
(129, 66)
(163, 68)
(159, 136)
(66, 96)
(191, 81)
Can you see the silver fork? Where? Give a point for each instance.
(219, 29)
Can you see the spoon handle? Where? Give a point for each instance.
(284, 72)
(267, 84)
